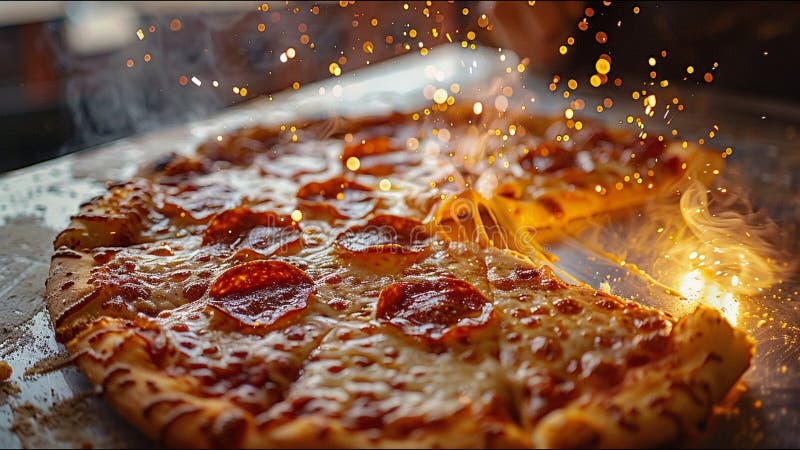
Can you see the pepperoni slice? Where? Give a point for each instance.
(261, 293)
(436, 310)
(385, 234)
(649, 148)
(234, 149)
(182, 165)
(378, 157)
(343, 198)
(199, 203)
(591, 137)
(265, 232)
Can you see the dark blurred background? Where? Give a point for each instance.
(78, 74)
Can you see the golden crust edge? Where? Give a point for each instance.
(66, 288)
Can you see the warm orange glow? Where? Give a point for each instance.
(697, 288)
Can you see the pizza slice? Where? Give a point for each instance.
(197, 374)
(403, 380)
(589, 369)
(538, 178)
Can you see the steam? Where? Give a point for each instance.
(733, 251)
(107, 99)
(736, 242)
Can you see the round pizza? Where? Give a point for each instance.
(366, 284)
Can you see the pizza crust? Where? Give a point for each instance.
(68, 290)
(114, 357)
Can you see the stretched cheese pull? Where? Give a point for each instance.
(470, 217)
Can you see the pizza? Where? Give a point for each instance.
(361, 285)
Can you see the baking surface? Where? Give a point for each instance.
(49, 404)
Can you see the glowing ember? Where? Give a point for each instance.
(353, 163)
(601, 37)
(477, 107)
(602, 66)
(440, 96)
